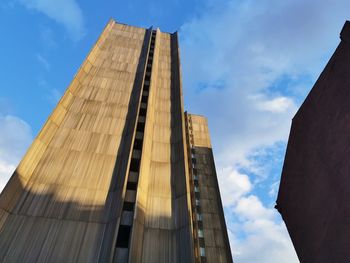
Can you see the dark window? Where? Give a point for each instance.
(196, 194)
(140, 126)
(194, 160)
(138, 144)
(147, 78)
(139, 135)
(142, 113)
(134, 165)
(141, 119)
(200, 224)
(201, 242)
(146, 87)
(197, 202)
(144, 99)
(123, 236)
(128, 206)
(131, 186)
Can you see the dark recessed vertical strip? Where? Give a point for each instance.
(115, 197)
(126, 221)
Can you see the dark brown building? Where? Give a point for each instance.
(314, 194)
(118, 173)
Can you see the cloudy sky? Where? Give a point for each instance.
(247, 65)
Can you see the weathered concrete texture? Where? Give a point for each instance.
(162, 229)
(64, 203)
(314, 194)
(211, 239)
(108, 177)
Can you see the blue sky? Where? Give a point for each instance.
(247, 65)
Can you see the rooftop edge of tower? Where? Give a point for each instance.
(197, 115)
(200, 129)
(112, 20)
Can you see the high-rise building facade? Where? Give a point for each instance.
(118, 173)
(313, 197)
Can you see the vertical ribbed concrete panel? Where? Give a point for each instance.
(62, 202)
(163, 231)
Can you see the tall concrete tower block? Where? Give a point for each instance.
(114, 175)
(211, 240)
(314, 193)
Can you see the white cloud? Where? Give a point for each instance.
(266, 238)
(15, 138)
(240, 50)
(274, 189)
(267, 241)
(43, 61)
(256, 232)
(233, 185)
(276, 105)
(246, 66)
(66, 12)
(6, 170)
(251, 208)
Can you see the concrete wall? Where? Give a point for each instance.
(61, 198)
(162, 225)
(211, 239)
